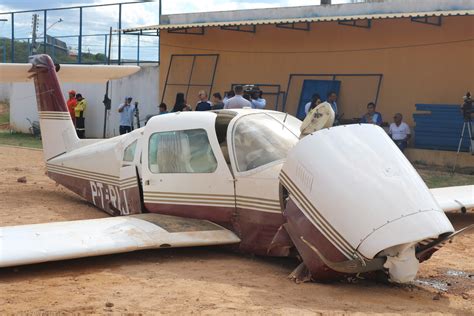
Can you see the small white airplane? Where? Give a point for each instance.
(343, 199)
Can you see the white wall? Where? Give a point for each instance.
(142, 86)
(5, 89)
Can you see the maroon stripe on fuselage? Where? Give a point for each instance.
(48, 90)
(109, 198)
(297, 226)
(256, 229)
(218, 214)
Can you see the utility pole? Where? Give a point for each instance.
(34, 25)
(4, 48)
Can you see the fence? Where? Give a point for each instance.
(81, 34)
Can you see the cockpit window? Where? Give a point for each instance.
(129, 152)
(187, 151)
(260, 139)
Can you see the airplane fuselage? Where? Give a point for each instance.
(229, 187)
(345, 199)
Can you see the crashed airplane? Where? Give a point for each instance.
(344, 200)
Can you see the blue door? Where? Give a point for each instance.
(310, 87)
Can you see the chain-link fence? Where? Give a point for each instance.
(80, 34)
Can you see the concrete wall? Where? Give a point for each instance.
(5, 90)
(420, 63)
(142, 86)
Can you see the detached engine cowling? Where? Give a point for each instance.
(357, 205)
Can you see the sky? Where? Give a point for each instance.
(98, 20)
(169, 6)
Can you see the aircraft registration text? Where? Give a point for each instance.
(109, 195)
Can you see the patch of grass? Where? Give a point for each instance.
(4, 118)
(438, 179)
(4, 113)
(19, 139)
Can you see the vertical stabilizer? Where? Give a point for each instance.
(57, 129)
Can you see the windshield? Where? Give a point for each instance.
(290, 121)
(260, 139)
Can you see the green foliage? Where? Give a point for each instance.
(23, 50)
(439, 179)
(4, 113)
(19, 139)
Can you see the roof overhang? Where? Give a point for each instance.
(301, 20)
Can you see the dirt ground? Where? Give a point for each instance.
(208, 280)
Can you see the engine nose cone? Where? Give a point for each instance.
(352, 195)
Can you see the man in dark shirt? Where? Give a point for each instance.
(217, 101)
(372, 117)
(204, 104)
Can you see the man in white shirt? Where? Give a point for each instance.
(238, 101)
(400, 132)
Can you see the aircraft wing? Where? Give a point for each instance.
(69, 73)
(37, 243)
(455, 198)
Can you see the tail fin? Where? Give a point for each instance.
(57, 130)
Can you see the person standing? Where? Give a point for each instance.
(257, 101)
(204, 104)
(71, 105)
(315, 101)
(227, 96)
(218, 104)
(238, 101)
(180, 103)
(331, 99)
(162, 108)
(126, 111)
(79, 110)
(400, 132)
(372, 117)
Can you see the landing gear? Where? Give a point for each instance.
(301, 274)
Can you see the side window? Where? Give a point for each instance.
(187, 151)
(129, 152)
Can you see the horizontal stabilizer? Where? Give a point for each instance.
(37, 243)
(460, 198)
(10, 73)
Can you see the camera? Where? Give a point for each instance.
(467, 107)
(251, 92)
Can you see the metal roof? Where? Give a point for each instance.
(304, 20)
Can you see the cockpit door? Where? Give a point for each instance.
(258, 145)
(184, 171)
